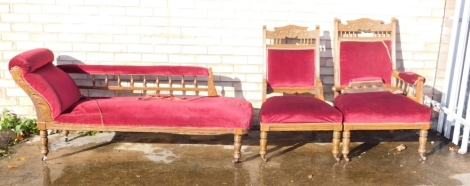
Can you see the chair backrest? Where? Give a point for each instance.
(291, 55)
(364, 49)
(46, 80)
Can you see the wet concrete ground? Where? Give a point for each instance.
(294, 158)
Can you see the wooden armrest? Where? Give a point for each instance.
(319, 85)
(413, 79)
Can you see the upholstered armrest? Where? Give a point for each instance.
(409, 77)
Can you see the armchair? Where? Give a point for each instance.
(366, 49)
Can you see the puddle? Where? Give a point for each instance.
(155, 154)
(464, 178)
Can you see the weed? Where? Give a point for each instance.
(21, 126)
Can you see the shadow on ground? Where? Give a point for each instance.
(294, 158)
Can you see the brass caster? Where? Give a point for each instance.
(66, 139)
(235, 161)
(263, 157)
(423, 158)
(337, 159)
(347, 159)
(44, 158)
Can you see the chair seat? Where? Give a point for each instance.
(196, 111)
(298, 109)
(381, 107)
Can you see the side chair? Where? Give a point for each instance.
(292, 70)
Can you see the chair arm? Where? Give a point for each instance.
(409, 77)
(413, 79)
(319, 92)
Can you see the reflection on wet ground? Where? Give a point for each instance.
(294, 158)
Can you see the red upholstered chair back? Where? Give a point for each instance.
(52, 84)
(291, 59)
(360, 59)
(291, 68)
(365, 49)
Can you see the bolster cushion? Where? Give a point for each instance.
(31, 60)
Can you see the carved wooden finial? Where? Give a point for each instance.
(364, 25)
(291, 31)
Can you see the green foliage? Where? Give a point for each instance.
(22, 126)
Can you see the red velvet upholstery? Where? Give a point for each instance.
(53, 84)
(202, 112)
(365, 59)
(409, 77)
(291, 68)
(298, 109)
(31, 60)
(380, 107)
(141, 70)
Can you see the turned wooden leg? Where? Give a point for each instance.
(237, 148)
(263, 144)
(336, 141)
(423, 134)
(65, 133)
(346, 140)
(44, 143)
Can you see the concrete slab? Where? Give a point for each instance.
(294, 158)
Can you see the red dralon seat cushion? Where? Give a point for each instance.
(298, 109)
(381, 107)
(200, 112)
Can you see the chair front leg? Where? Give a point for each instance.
(44, 144)
(423, 134)
(263, 144)
(336, 141)
(237, 145)
(346, 140)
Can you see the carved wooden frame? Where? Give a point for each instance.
(45, 120)
(376, 30)
(307, 39)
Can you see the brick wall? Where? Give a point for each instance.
(223, 34)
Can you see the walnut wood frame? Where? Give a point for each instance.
(45, 120)
(308, 39)
(352, 32)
